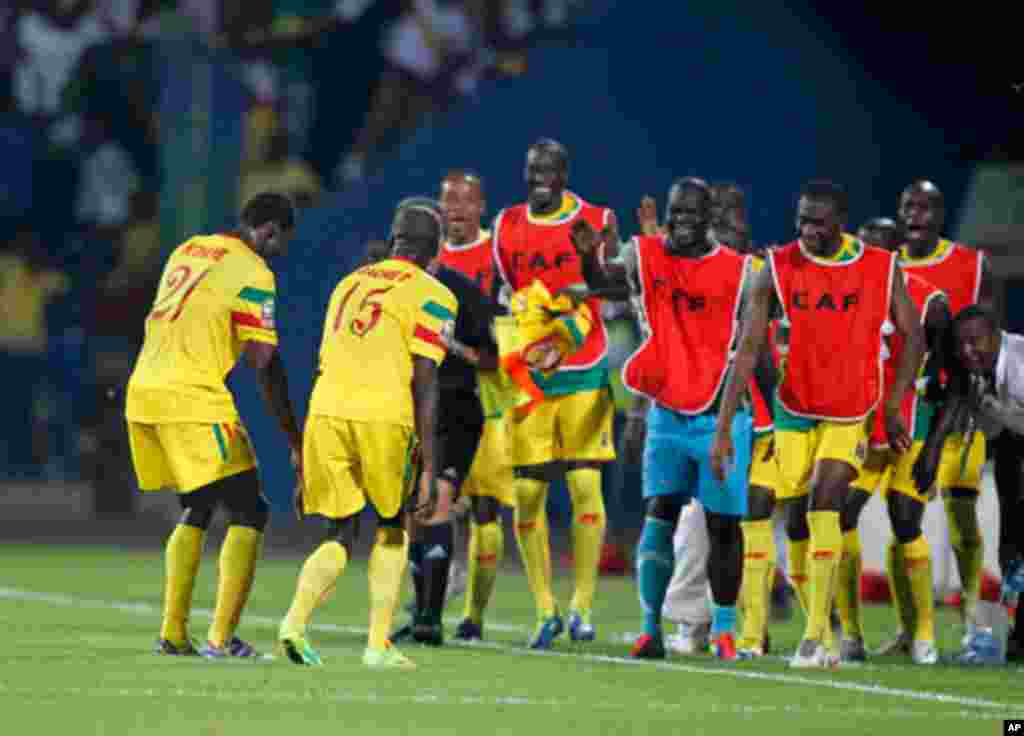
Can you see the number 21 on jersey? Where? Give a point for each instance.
(365, 313)
(175, 290)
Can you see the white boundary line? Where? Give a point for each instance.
(147, 609)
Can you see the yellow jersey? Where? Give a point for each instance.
(215, 295)
(378, 318)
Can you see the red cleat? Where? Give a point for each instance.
(649, 647)
(724, 647)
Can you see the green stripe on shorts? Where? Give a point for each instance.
(220, 442)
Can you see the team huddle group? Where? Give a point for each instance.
(462, 363)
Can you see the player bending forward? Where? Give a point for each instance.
(377, 392)
(214, 304)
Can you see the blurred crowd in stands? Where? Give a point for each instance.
(329, 86)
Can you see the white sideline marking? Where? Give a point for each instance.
(344, 697)
(147, 609)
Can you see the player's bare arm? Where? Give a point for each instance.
(753, 341)
(425, 397)
(609, 275)
(937, 323)
(647, 216)
(907, 322)
(265, 359)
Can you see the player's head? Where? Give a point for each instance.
(547, 175)
(977, 335)
(376, 250)
(462, 202)
(881, 232)
(922, 212)
(268, 223)
(821, 214)
(688, 214)
(731, 228)
(417, 230)
(727, 196)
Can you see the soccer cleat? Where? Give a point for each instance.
(580, 628)
(899, 644)
(403, 633)
(166, 646)
(724, 647)
(852, 650)
(298, 650)
(690, 639)
(969, 632)
(547, 631)
(812, 654)
(648, 647)
(426, 632)
(387, 658)
(469, 630)
(236, 648)
(924, 652)
(747, 655)
(981, 650)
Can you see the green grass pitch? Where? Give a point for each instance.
(80, 623)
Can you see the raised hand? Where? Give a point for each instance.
(647, 216)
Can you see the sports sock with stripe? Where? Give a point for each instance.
(968, 547)
(848, 586)
(588, 525)
(654, 564)
(486, 549)
(317, 579)
(758, 574)
(236, 570)
(438, 541)
(534, 544)
(181, 563)
(917, 558)
(822, 566)
(387, 563)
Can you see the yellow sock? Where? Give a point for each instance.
(758, 574)
(588, 524)
(797, 563)
(237, 568)
(822, 565)
(181, 562)
(534, 543)
(899, 586)
(486, 549)
(917, 556)
(968, 546)
(387, 563)
(848, 586)
(318, 577)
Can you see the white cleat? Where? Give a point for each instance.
(689, 639)
(813, 654)
(924, 652)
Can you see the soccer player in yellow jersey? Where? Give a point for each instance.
(375, 396)
(215, 302)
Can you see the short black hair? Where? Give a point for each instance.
(977, 311)
(727, 196)
(827, 190)
(466, 175)
(376, 250)
(928, 187)
(426, 205)
(552, 146)
(695, 183)
(269, 207)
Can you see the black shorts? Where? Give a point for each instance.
(459, 426)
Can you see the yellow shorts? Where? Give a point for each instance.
(491, 472)
(347, 463)
(949, 475)
(573, 427)
(889, 472)
(184, 457)
(764, 468)
(797, 452)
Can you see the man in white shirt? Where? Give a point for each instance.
(989, 397)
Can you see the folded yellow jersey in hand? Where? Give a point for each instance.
(538, 334)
